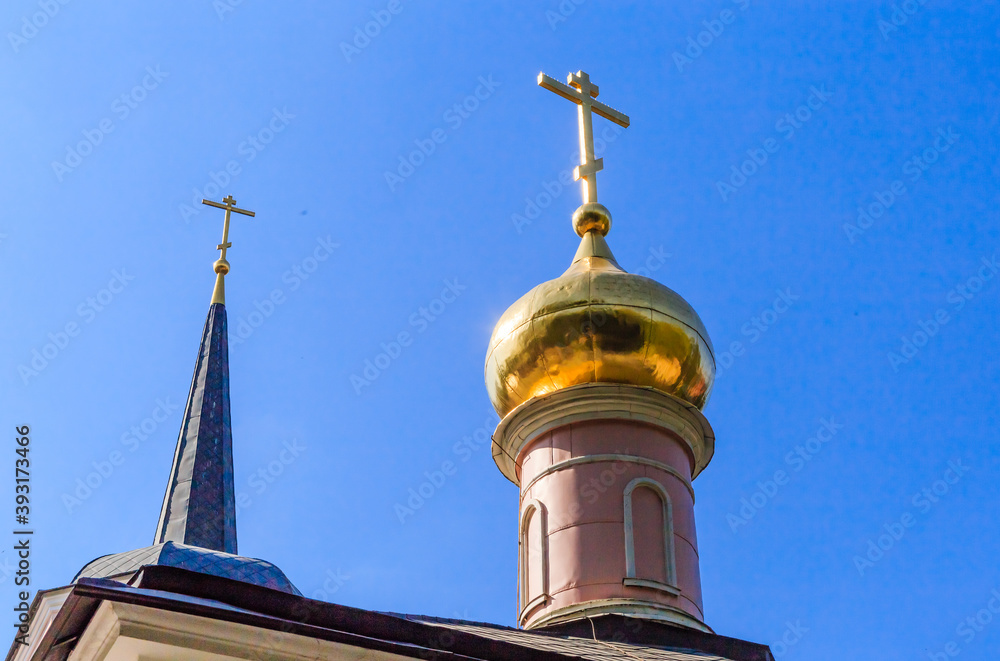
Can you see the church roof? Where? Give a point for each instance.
(224, 600)
(193, 558)
(591, 649)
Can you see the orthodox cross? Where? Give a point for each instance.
(583, 92)
(229, 205)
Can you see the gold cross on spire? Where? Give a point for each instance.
(583, 92)
(221, 265)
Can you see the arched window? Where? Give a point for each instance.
(533, 556)
(649, 536)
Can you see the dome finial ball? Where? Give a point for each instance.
(592, 217)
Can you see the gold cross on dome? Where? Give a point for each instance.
(229, 205)
(583, 92)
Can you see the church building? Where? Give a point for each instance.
(599, 377)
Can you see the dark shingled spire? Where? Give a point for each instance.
(197, 528)
(199, 508)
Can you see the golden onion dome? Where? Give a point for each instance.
(598, 323)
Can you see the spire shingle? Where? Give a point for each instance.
(199, 508)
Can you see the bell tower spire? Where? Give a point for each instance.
(197, 526)
(199, 507)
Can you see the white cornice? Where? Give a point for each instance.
(601, 401)
(126, 632)
(630, 607)
(43, 614)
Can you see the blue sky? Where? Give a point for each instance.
(116, 118)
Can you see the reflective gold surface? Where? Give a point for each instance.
(221, 266)
(582, 92)
(591, 216)
(597, 323)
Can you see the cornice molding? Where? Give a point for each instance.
(645, 609)
(601, 401)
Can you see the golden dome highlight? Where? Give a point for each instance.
(597, 323)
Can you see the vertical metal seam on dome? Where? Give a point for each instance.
(545, 363)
